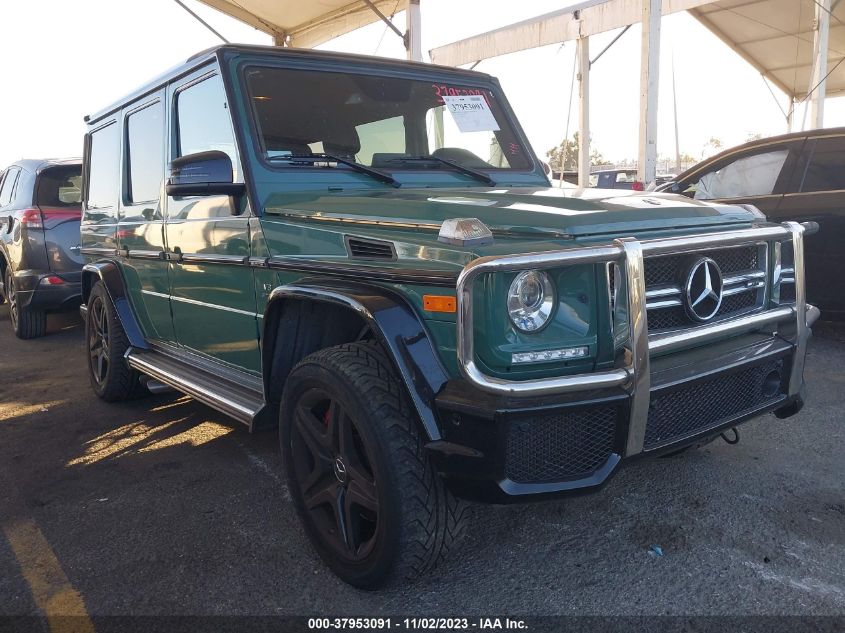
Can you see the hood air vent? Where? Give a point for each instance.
(369, 249)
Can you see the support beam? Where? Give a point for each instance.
(649, 76)
(413, 39)
(586, 18)
(820, 49)
(790, 114)
(583, 52)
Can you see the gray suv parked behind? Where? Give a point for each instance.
(40, 262)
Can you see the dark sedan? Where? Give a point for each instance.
(799, 176)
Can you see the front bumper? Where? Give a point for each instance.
(501, 449)
(504, 440)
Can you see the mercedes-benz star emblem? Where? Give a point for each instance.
(340, 470)
(703, 295)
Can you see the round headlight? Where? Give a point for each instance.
(531, 299)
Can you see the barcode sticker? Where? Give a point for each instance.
(471, 113)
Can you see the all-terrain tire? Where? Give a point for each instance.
(419, 521)
(26, 322)
(106, 342)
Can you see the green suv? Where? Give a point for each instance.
(367, 253)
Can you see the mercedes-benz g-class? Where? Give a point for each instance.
(367, 253)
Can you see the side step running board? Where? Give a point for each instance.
(237, 401)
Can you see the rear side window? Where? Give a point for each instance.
(8, 187)
(145, 153)
(104, 172)
(826, 171)
(59, 187)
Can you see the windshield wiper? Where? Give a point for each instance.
(315, 158)
(469, 171)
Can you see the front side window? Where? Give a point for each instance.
(203, 120)
(145, 153)
(743, 178)
(826, 171)
(103, 172)
(388, 123)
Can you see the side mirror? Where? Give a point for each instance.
(203, 174)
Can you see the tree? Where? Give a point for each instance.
(753, 136)
(564, 157)
(714, 145)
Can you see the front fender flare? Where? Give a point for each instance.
(397, 326)
(109, 273)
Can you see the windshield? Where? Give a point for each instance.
(381, 122)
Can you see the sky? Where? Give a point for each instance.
(63, 59)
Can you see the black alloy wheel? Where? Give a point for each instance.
(98, 339)
(335, 475)
(26, 322)
(371, 502)
(111, 377)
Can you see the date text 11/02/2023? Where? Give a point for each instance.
(446, 624)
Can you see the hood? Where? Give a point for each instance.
(544, 212)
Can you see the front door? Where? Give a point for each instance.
(212, 286)
(140, 229)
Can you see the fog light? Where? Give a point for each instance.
(547, 355)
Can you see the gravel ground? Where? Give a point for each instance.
(166, 507)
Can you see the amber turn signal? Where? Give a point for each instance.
(436, 303)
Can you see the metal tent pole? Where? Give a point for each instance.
(649, 74)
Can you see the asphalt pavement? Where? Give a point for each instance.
(163, 506)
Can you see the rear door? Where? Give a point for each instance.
(208, 239)
(817, 193)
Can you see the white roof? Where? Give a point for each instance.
(774, 36)
(306, 23)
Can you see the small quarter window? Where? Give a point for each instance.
(145, 153)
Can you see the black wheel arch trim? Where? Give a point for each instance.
(397, 326)
(109, 273)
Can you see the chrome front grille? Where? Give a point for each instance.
(744, 285)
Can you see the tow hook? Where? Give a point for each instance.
(728, 439)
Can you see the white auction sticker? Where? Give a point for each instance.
(471, 113)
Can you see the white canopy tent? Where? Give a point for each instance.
(780, 38)
(309, 24)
